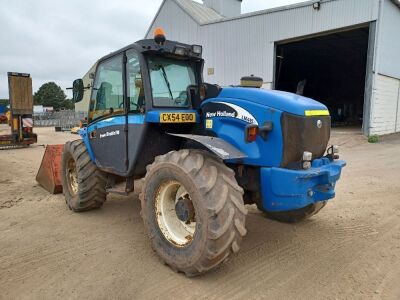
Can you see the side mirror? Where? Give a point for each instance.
(77, 90)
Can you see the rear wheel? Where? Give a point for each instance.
(295, 216)
(193, 210)
(84, 185)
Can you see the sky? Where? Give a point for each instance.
(59, 41)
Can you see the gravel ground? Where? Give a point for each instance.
(350, 250)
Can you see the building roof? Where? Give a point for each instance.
(301, 3)
(199, 12)
(205, 15)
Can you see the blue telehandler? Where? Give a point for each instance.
(203, 151)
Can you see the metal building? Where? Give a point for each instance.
(344, 53)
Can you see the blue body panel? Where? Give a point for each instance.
(284, 189)
(109, 122)
(281, 189)
(262, 152)
(283, 101)
(83, 132)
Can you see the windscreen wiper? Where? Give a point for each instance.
(166, 81)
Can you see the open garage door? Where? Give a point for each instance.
(329, 68)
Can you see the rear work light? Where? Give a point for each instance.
(250, 134)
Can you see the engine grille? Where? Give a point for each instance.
(302, 134)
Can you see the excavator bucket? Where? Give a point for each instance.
(49, 174)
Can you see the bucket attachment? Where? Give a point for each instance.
(49, 174)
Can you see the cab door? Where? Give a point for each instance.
(107, 116)
(136, 107)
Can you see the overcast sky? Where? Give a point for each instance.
(59, 41)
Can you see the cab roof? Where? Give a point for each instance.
(150, 46)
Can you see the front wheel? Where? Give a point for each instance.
(84, 185)
(193, 210)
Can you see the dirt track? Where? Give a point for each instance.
(350, 250)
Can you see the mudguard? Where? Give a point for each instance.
(218, 146)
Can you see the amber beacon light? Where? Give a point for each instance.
(159, 36)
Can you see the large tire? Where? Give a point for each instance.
(84, 185)
(219, 212)
(298, 215)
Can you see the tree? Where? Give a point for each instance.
(50, 94)
(69, 104)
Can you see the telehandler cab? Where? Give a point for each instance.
(204, 151)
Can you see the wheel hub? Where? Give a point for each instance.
(175, 213)
(72, 176)
(184, 209)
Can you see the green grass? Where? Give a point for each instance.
(373, 139)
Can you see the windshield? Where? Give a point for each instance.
(169, 81)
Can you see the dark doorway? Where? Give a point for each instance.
(330, 69)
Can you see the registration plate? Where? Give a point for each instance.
(178, 118)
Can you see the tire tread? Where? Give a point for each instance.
(224, 204)
(91, 181)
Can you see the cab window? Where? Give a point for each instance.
(107, 96)
(135, 85)
(170, 79)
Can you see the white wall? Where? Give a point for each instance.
(389, 40)
(385, 115)
(245, 46)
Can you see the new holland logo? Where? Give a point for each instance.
(228, 110)
(110, 133)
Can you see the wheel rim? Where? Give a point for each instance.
(177, 232)
(72, 176)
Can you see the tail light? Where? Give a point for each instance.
(28, 129)
(251, 132)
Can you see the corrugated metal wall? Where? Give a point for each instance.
(246, 46)
(389, 40)
(385, 115)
